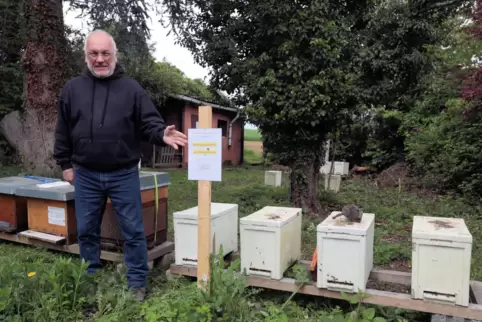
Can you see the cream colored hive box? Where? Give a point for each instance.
(345, 253)
(340, 167)
(273, 178)
(270, 241)
(224, 226)
(335, 182)
(441, 255)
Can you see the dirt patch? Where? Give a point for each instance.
(394, 176)
(254, 146)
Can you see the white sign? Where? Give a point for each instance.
(204, 154)
(56, 216)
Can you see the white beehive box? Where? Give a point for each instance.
(335, 182)
(441, 255)
(224, 226)
(270, 241)
(340, 167)
(345, 253)
(273, 178)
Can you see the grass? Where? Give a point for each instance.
(252, 135)
(58, 291)
(252, 151)
(252, 157)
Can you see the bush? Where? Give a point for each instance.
(447, 151)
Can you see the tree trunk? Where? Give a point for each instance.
(45, 64)
(305, 176)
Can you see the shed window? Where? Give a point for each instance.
(194, 120)
(223, 125)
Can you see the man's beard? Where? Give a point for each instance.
(92, 70)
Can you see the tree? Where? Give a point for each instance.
(44, 61)
(289, 63)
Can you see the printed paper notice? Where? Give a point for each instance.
(56, 216)
(204, 154)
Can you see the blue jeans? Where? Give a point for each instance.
(123, 188)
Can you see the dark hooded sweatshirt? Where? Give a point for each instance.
(101, 122)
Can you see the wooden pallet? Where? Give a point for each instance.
(376, 297)
(152, 255)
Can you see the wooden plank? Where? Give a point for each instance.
(204, 211)
(153, 254)
(377, 274)
(376, 297)
(49, 238)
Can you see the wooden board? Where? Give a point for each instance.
(376, 297)
(204, 211)
(49, 238)
(152, 255)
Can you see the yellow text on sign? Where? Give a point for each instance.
(204, 144)
(204, 151)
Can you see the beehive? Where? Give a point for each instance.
(270, 241)
(345, 252)
(51, 209)
(340, 167)
(273, 178)
(224, 232)
(335, 182)
(441, 256)
(155, 224)
(13, 209)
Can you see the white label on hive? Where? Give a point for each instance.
(56, 216)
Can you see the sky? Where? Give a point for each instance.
(165, 46)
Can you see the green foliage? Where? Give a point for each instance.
(446, 151)
(252, 135)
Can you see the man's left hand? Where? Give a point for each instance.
(173, 137)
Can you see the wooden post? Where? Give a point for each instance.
(204, 211)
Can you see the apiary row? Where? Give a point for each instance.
(270, 242)
(44, 208)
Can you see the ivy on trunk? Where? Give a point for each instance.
(45, 65)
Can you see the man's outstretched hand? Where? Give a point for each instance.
(173, 137)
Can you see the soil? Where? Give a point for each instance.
(394, 176)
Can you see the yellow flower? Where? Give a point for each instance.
(31, 274)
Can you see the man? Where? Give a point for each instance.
(103, 115)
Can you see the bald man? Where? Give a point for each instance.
(103, 115)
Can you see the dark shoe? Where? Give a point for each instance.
(139, 293)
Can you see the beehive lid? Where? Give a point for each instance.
(342, 225)
(217, 210)
(446, 229)
(271, 216)
(147, 179)
(9, 185)
(64, 192)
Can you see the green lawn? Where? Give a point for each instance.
(59, 292)
(252, 135)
